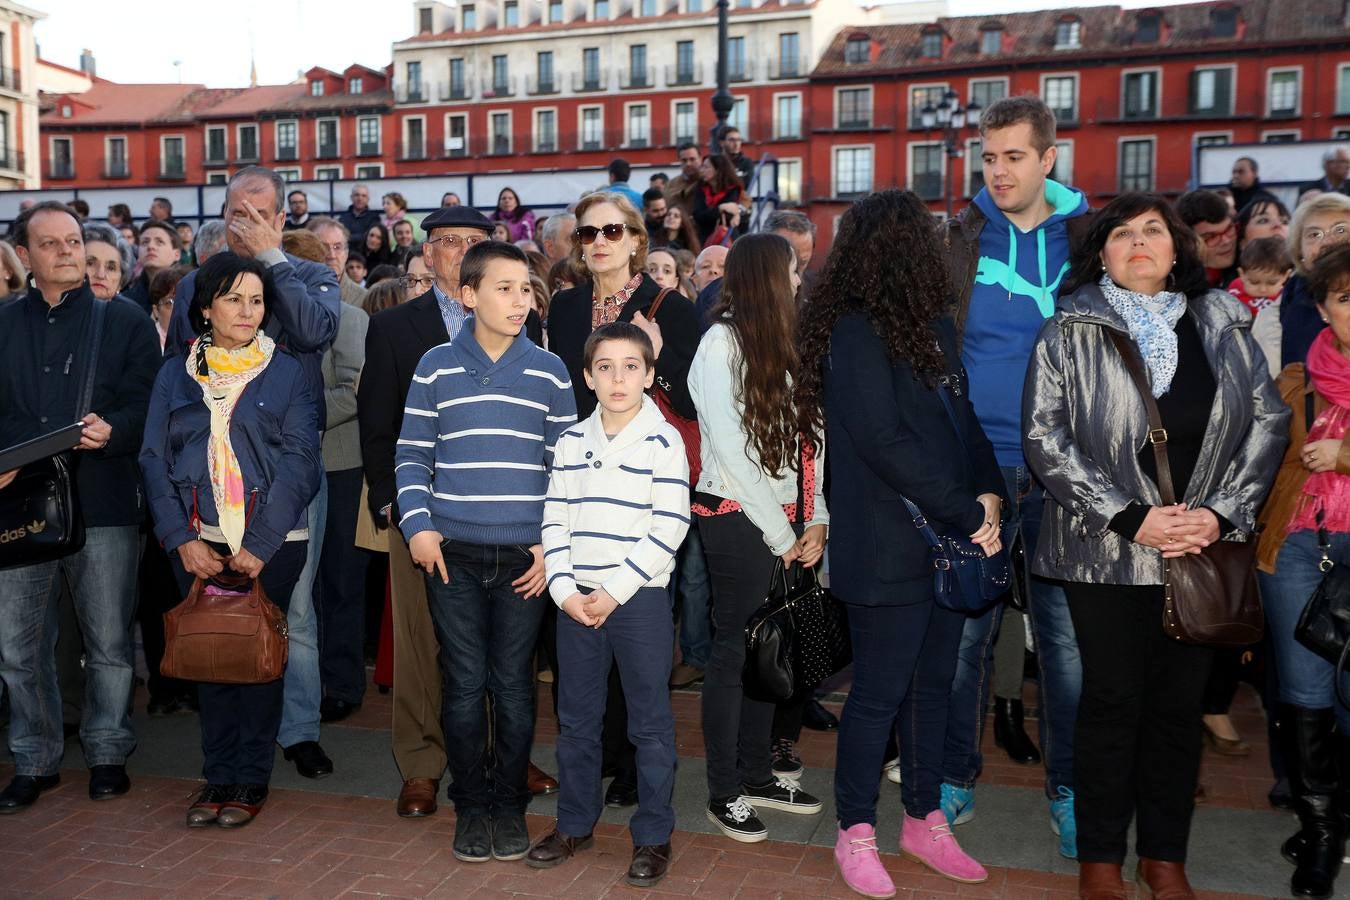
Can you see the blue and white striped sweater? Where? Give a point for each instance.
(477, 441)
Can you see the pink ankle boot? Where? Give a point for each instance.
(855, 852)
(930, 841)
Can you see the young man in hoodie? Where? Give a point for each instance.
(1007, 253)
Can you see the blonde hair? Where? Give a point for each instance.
(18, 275)
(1323, 203)
(629, 215)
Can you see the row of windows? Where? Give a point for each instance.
(553, 12)
(320, 173)
(355, 85)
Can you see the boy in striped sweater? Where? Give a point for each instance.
(617, 510)
(483, 415)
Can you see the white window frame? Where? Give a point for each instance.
(276, 138)
(972, 160)
(403, 134)
(912, 118)
(1340, 134)
(946, 171)
(627, 123)
(107, 142)
(1296, 134)
(336, 170)
(581, 127)
(290, 175)
(1158, 94)
(218, 177)
(362, 170)
(162, 155)
(801, 119)
(1232, 84)
(379, 133)
(1061, 177)
(1077, 42)
(534, 129)
(445, 138)
(1342, 98)
(257, 140)
(675, 135)
(740, 124)
(337, 128)
(224, 143)
(510, 132)
(871, 103)
(1298, 87)
(785, 197)
(1195, 137)
(970, 84)
(1121, 141)
(1077, 91)
(834, 167)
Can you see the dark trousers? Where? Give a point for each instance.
(904, 658)
(735, 728)
(240, 721)
(636, 640)
(340, 593)
(487, 634)
(1222, 684)
(159, 594)
(1138, 733)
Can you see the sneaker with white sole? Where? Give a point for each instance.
(786, 763)
(737, 820)
(781, 794)
(958, 804)
(892, 770)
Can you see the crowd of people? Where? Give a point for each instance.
(592, 437)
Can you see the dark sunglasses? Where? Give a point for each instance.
(588, 233)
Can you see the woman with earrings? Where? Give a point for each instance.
(1136, 296)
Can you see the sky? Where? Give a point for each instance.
(150, 41)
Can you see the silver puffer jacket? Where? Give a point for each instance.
(1086, 424)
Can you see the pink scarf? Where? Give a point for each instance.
(1329, 371)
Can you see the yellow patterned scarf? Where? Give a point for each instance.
(223, 375)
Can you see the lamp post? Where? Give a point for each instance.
(951, 117)
(722, 101)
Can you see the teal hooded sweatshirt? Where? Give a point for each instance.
(1015, 290)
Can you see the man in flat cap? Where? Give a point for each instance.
(395, 344)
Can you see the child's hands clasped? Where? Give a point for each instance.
(599, 605)
(575, 606)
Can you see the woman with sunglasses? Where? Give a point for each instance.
(609, 263)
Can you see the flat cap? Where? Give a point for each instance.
(456, 217)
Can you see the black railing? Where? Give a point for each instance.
(682, 75)
(637, 78)
(536, 86)
(504, 88)
(173, 170)
(327, 151)
(788, 67)
(116, 168)
(368, 149)
(287, 154)
(588, 82)
(61, 170)
(411, 151)
(9, 78)
(411, 93)
(456, 90)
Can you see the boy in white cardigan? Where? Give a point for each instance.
(616, 511)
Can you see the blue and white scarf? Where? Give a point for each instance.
(1152, 322)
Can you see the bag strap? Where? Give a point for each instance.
(1157, 435)
(86, 399)
(656, 304)
(1323, 537)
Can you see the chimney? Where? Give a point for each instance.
(87, 65)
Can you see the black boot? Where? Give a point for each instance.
(1311, 756)
(1010, 734)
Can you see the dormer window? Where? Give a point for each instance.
(1148, 28)
(1068, 34)
(355, 86)
(1223, 22)
(857, 49)
(601, 10)
(66, 112)
(930, 44)
(512, 14)
(991, 40)
(316, 88)
(470, 18)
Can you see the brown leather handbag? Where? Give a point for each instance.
(1211, 597)
(226, 632)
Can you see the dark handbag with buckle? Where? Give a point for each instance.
(799, 636)
(965, 580)
(1324, 625)
(1211, 597)
(40, 518)
(226, 632)
(688, 428)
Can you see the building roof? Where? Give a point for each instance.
(1104, 31)
(344, 101)
(249, 101)
(109, 103)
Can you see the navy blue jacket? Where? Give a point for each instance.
(275, 433)
(1300, 322)
(889, 436)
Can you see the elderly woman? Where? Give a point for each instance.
(518, 218)
(15, 277)
(108, 260)
(1138, 276)
(230, 460)
(395, 210)
(1312, 490)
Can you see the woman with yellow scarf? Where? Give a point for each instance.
(231, 461)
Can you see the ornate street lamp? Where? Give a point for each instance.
(951, 117)
(722, 101)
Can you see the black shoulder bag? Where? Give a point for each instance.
(1324, 626)
(40, 518)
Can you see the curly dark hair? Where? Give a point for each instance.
(759, 307)
(1188, 275)
(886, 263)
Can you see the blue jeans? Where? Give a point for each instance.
(1056, 649)
(694, 590)
(1305, 679)
(102, 580)
(487, 634)
(903, 661)
(636, 637)
(303, 689)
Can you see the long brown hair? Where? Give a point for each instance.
(758, 305)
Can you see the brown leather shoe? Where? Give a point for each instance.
(554, 849)
(1100, 881)
(540, 782)
(649, 865)
(1162, 880)
(418, 797)
(1226, 746)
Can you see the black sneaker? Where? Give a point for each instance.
(737, 820)
(473, 838)
(786, 763)
(781, 794)
(510, 839)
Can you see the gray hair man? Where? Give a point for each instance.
(1335, 173)
(336, 248)
(556, 235)
(800, 232)
(209, 241)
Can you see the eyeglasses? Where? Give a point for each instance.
(420, 282)
(1336, 232)
(588, 233)
(1215, 237)
(451, 241)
